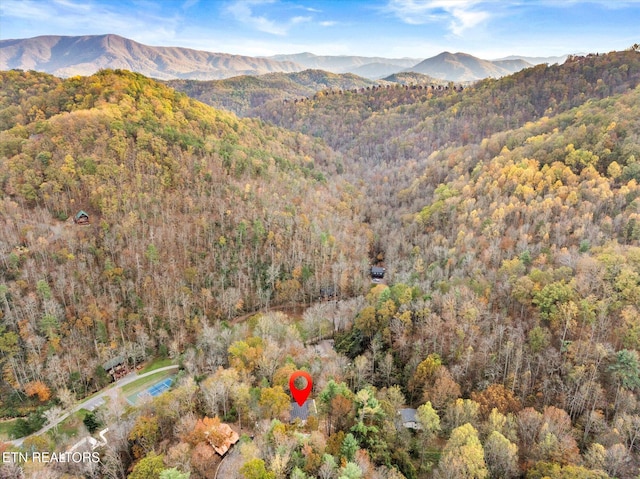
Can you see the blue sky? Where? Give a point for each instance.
(391, 28)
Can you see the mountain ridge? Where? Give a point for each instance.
(369, 67)
(66, 56)
(537, 60)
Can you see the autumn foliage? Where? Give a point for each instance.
(39, 389)
(507, 216)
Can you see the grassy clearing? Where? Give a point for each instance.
(5, 427)
(69, 427)
(157, 364)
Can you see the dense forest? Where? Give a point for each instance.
(506, 214)
(246, 95)
(243, 93)
(195, 216)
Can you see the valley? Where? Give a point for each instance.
(506, 215)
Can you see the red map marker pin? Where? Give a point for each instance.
(300, 395)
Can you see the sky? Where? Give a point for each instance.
(488, 29)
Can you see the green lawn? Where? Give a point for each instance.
(157, 364)
(5, 427)
(68, 428)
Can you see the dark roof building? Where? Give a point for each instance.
(377, 272)
(327, 292)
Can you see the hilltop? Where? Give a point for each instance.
(413, 78)
(461, 67)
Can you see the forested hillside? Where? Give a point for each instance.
(401, 123)
(507, 215)
(241, 94)
(196, 216)
(506, 330)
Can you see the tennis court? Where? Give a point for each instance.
(161, 387)
(151, 391)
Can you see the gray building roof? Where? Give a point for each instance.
(408, 415)
(300, 412)
(112, 363)
(303, 412)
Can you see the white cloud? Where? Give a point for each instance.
(25, 10)
(79, 7)
(460, 15)
(71, 17)
(295, 20)
(328, 23)
(243, 11)
(465, 19)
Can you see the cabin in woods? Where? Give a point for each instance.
(229, 438)
(81, 218)
(409, 418)
(302, 413)
(117, 367)
(327, 293)
(377, 272)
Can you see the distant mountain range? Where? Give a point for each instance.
(69, 56)
(368, 67)
(65, 56)
(457, 67)
(538, 60)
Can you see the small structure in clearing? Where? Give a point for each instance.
(409, 418)
(377, 272)
(327, 293)
(81, 218)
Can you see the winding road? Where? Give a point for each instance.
(95, 401)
